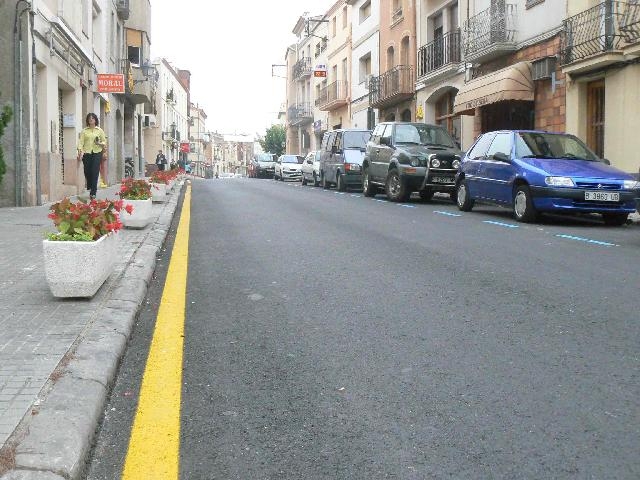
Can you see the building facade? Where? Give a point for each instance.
(600, 58)
(365, 59)
(199, 139)
(168, 129)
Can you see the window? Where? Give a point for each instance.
(595, 117)
(479, 150)
(85, 17)
(501, 144)
(134, 55)
(345, 20)
(365, 11)
(345, 69)
(333, 27)
(388, 131)
(364, 68)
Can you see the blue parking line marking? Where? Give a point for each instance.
(406, 206)
(449, 214)
(500, 224)
(378, 200)
(339, 193)
(355, 195)
(587, 240)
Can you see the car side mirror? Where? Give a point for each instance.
(606, 161)
(385, 141)
(334, 149)
(501, 157)
(458, 145)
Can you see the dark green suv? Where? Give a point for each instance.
(404, 157)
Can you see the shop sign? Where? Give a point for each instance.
(110, 82)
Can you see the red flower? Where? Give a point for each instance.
(129, 208)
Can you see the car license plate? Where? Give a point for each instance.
(602, 196)
(442, 180)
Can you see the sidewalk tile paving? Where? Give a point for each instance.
(37, 330)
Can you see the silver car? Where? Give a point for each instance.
(288, 167)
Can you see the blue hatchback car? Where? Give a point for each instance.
(534, 172)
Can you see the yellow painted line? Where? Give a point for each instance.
(154, 445)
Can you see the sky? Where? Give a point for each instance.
(229, 48)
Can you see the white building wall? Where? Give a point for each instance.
(365, 41)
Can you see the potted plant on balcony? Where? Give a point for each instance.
(137, 193)
(81, 254)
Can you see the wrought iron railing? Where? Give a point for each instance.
(495, 25)
(300, 113)
(441, 51)
(302, 67)
(397, 15)
(598, 29)
(335, 92)
(399, 81)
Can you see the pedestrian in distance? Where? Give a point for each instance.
(91, 143)
(161, 160)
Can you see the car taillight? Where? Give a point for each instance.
(351, 167)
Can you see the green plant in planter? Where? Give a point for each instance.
(135, 189)
(5, 118)
(84, 221)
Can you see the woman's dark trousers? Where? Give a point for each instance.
(91, 162)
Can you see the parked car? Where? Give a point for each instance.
(404, 157)
(534, 172)
(311, 168)
(288, 167)
(264, 165)
(342, 152)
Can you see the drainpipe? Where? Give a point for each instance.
(17, 98)
(36, 129)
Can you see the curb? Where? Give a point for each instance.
(54, 438)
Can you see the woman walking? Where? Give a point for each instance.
(91, 142)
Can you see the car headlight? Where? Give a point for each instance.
(415, 162)
(559, 182)
(435, 163)
(630, 185)
(455, 163)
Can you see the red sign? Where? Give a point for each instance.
(184, 147)
(110, 82)
(320, 73)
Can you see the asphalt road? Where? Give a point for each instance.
(332, 336)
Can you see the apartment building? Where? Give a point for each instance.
(365, 59)
(305, 122)
(512, 77)
(61, 50)
(199, 139)
(168, 129)
(600, 58)
(334, 95)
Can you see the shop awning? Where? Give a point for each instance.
(511, 83)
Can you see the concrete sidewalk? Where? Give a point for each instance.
(58, 357)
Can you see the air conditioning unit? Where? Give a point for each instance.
(543, 68)
(149, 121)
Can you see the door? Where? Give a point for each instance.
(383, 155)
(335, 158)
(498, 175)
(595, 117)
(473, 166)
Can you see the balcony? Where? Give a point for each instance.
(392, 87)
(300, 114)
(302, 68)
(439, 57)
(140, 84)
(122, 8)
(333, 96)
(491, 33)
(598, 36)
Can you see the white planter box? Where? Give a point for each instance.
(78, 269)
(159, 192)
(141, 215)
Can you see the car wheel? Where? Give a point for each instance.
(368, 190)
(523, 208)
(615, 219)
(325, 184)
(316, 182)
(304, 181)
(453, 196)
(340, 185)
(463, 200)
(426, 195)
(396, 190)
